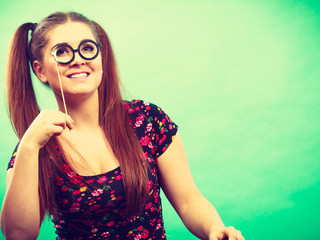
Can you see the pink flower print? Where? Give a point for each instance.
(148, 108)
(149, 127)
(109, 224)
(139, 120)
(94, 207)
(12, 161)
(145, 140)
(59, 181)
(105, 234)
(148, 206)
(75, 207)
(91, 180)
(146, 103)
(145, 233)
(137, 237)
(162, 139)
(76, 192)
(119, 177)
(149, 184)
(158, 226)
(97, 192)
(170, 126)
(74, 178)
(156, 197)
(150, 145)
(65, 201)
(65, 188)
(102, 179)
(57, 226)
(139, 228)
(65, 168)
(162, 130)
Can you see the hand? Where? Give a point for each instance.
(47, 124)
(227, 233)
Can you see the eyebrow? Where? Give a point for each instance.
(65, 43)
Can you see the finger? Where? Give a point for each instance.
(63, 120)
(231, 233)
(217, 236)
(239, 235)
(57, 130)
(213, 237)
(69, 122)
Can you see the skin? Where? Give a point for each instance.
(81, 128)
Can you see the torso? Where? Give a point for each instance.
(90, 150)
(93, 206)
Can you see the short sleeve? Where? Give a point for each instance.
(13, 158)
(154, 127)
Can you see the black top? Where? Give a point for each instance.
(92, 207)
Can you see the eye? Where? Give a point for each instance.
(88, 48)
(61, 51)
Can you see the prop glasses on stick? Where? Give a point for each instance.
(64, 54)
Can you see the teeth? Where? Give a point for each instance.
(79, 75)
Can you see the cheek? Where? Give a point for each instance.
(52, 75)
(50, 69)
(98, 66)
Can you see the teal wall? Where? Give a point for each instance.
(240, 78)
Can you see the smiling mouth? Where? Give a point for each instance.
(78, 75)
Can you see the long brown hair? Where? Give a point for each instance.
(113, 117)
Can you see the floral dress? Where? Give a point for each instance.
(93, 207)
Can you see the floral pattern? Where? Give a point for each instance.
(93, 207)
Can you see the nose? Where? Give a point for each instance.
(78, 60)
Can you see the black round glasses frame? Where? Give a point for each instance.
(56, 48)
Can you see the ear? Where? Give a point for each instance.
(39, 71)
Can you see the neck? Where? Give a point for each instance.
(83, 110)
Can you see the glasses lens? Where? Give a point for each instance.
(63, 54)
(88, 50)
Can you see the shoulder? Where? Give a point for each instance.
(153, 126)
(138, 105)
(148, 109)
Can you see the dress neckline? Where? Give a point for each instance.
(101, 174)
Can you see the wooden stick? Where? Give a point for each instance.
(64, 101)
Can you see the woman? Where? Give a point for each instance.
(96, 165)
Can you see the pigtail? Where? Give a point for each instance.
(23, 107)
(119, 132)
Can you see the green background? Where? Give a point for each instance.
(240, 78)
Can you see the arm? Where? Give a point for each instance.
(20, 213)
(199, 216)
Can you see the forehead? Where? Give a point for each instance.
(72, 33)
